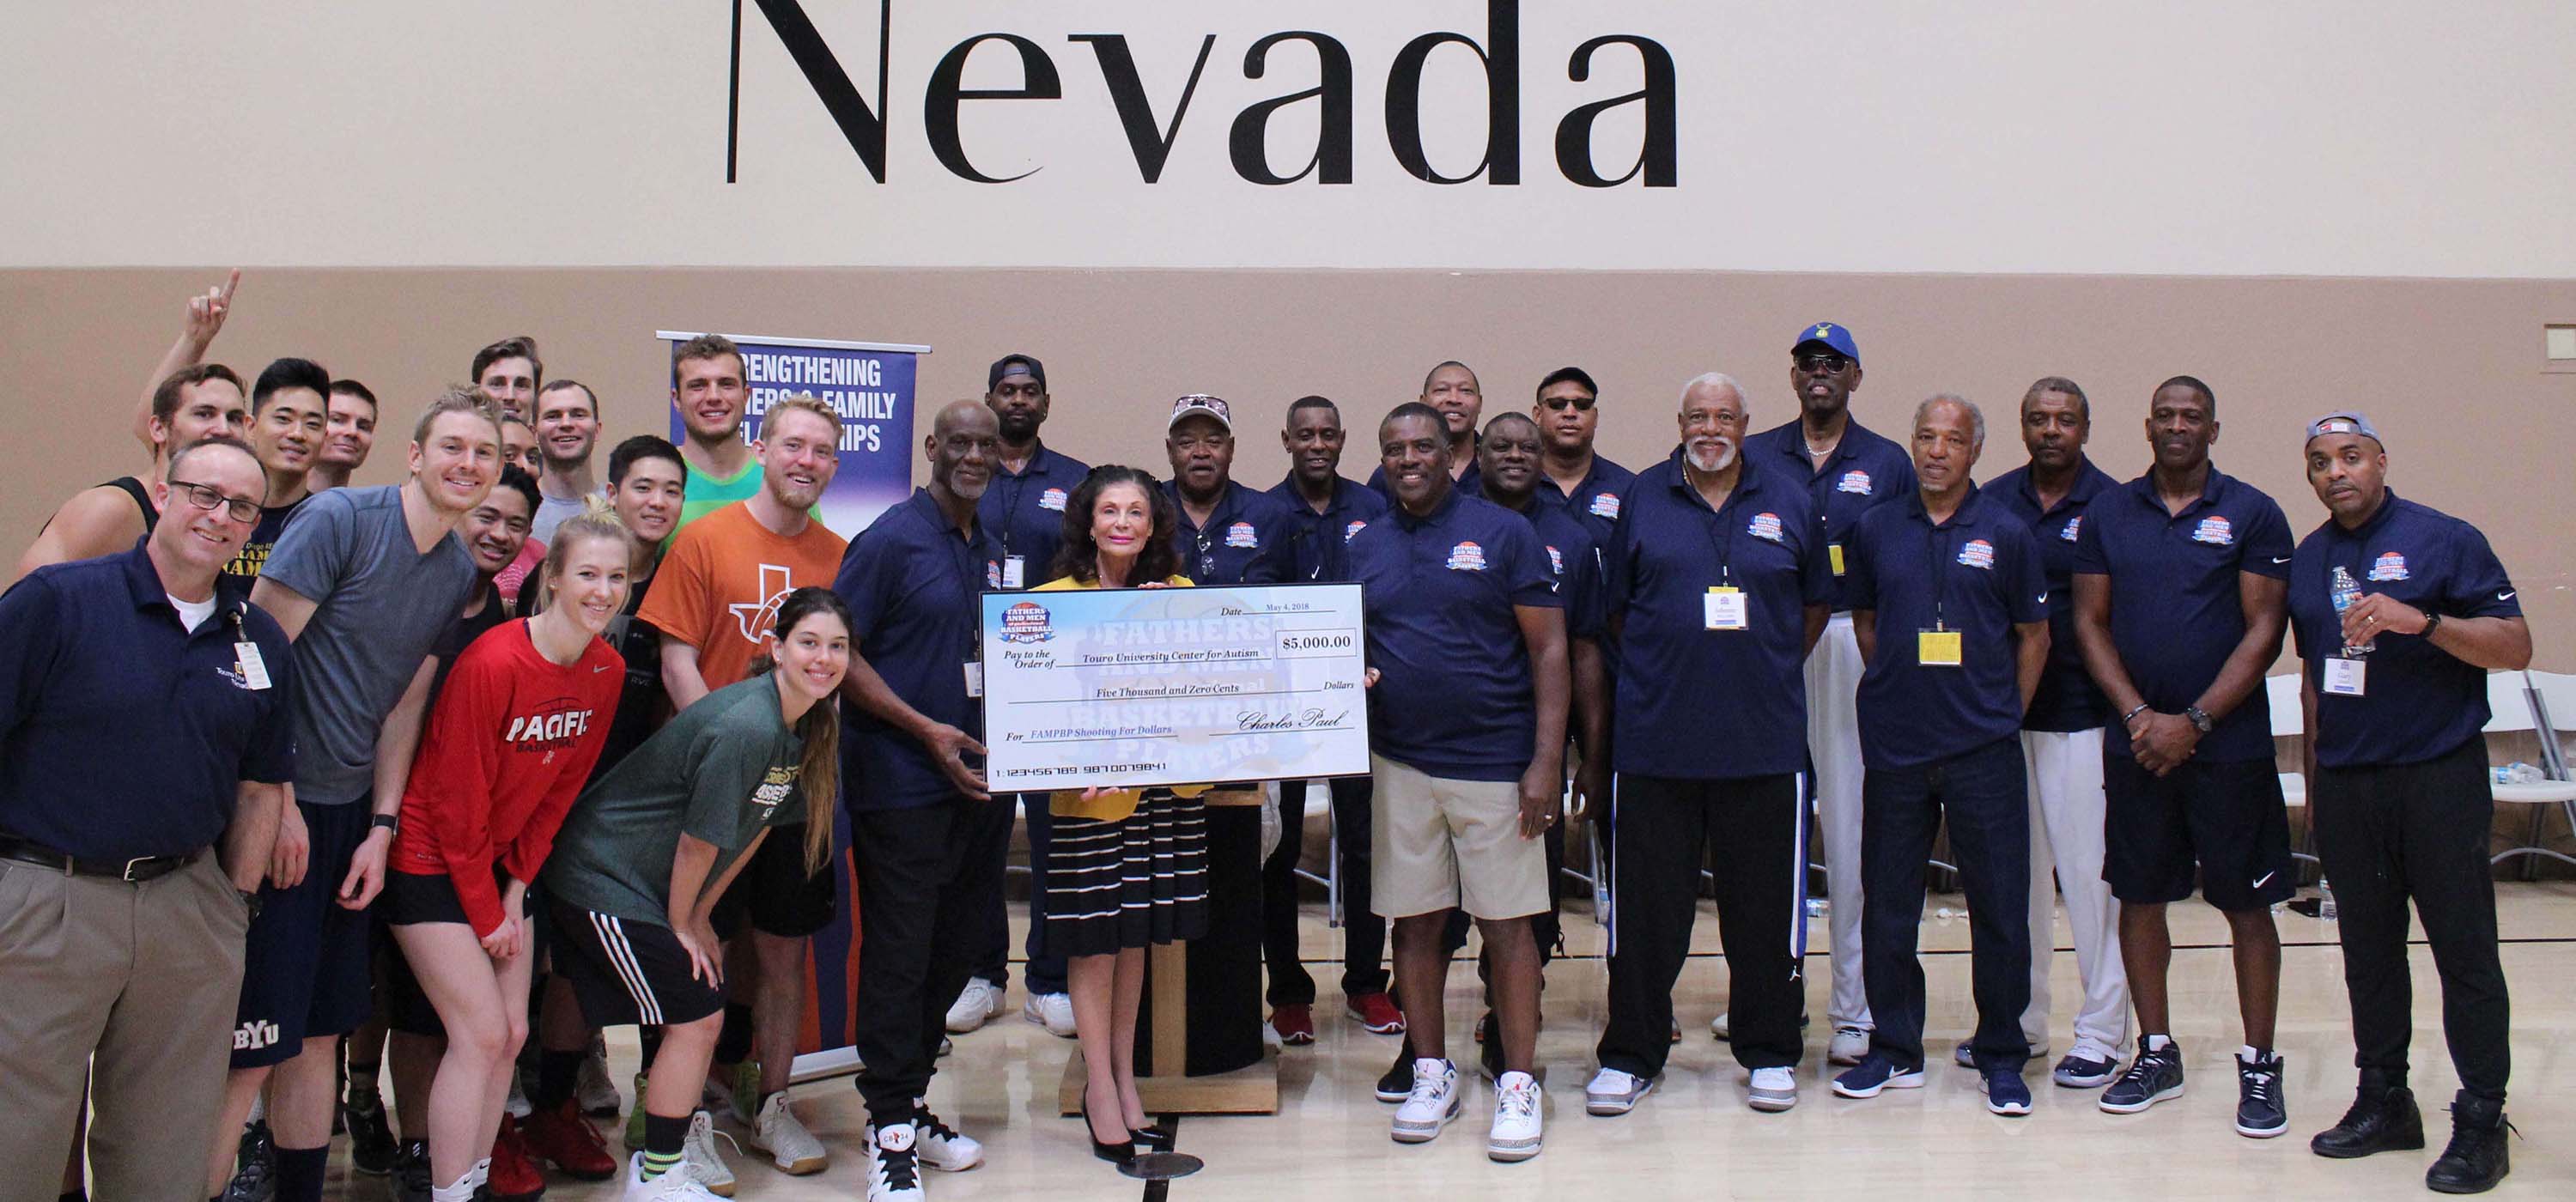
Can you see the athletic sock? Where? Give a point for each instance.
(557, 1075)
(733, 1042)
(664, 1143)
(461, 1191)
(300, 1172)
(649, 1038)
(481, 1173)
(2154, 1043)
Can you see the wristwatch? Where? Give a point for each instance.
(250, 902)
(2199, 719)
(391, 822)
(2431, 620)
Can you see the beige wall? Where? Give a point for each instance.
(2450, 369)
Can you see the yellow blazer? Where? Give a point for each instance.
(1118, 803)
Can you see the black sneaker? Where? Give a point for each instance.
(2260, 1113)
(1489, 1050)
(2383, 1118)
(254, 1167)
(2152, 1078)
(1397, 1083)
(371, 1141)
(411, 1171)
(2475, 1159)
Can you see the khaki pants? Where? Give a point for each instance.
(140, 977)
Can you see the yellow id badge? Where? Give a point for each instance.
(1723, 609)
(1834, 552)
(1937, 648)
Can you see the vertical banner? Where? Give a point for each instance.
(870, 384)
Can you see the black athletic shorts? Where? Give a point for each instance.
(419, 897)
(775, 895)
(2227, 819)
(624, 971)
(304, 962)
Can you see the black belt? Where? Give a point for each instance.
(138, 869)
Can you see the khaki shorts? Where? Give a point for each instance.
(1440, 844)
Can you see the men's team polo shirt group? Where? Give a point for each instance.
(1943, 679)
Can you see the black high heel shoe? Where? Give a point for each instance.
(1156, 1138)
(1118, 1153)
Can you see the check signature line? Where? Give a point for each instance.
(1165, 700)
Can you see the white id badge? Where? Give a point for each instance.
(1723, 609)
(254, 670)
(1014, 571)
(2344, 676)
(974, 679)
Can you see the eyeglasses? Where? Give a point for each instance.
(1582, 404)
(206, 497)
(1823, 363)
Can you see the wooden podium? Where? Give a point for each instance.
(1164, 1084)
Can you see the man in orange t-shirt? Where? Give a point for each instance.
(715, 599)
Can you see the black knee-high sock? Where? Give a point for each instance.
(650, 1039)
(300, 1172)
(733, 1043)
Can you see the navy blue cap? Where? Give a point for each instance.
(1828, 334)
(1015, 365)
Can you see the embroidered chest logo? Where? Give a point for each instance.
(1026, 622)
(1855, 482)
(2215, 531)
(1352, 531)
(1765, 526)
(1466, 557)
(1241, 534)
(773, 790)
(2389, 566)
(2073, 524)
(1978, 553)
(1555, 562)
(1605, 505)
(1052, 498)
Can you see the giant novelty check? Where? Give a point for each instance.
(1132, 687)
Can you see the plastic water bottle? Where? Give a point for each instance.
(2325, 898)
(2517, 773)
(2347, 593)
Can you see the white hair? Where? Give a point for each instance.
(1976, 416)
(1717, 379)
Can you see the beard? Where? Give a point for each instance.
(1713, 456)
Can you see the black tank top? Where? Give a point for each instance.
(142, 499)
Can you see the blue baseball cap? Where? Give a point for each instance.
(1829, 335)
(2346, 421)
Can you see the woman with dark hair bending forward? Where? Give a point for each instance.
(1126, 867)
(652, 845)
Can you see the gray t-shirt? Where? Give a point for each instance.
(722, 770)
(551, 512)
(380, 607)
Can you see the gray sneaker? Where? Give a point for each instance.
(1433, 1104)
(1772, 1090)
(1612, 1092)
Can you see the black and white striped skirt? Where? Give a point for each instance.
(1128, 882)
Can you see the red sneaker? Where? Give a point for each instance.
(1294, 1023)
(1377, 1013)
(566, 1140)
(514, 1177)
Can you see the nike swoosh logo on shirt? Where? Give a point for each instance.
(596, 670)
(2506, 595)
(2258, 881)
(2282, 559)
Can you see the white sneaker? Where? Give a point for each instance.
(1613, 1092)
(1053, 1011)
(947, 1047)
(1717, 1026)
(1848, 1046)
(517, 1105)
(597, 1095)
(894, 1169)
(1518, 1119)
(674, 1186)
(941, 1146)
(789, 1144)
(1772, 1090)
(980, 1000)
(699, 1158)
(1432, 1105)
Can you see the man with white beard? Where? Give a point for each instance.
(1720, 577)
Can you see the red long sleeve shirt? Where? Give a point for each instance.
(509, 743)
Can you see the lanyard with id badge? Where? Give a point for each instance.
(254, 670)
(1939, 647)
(970, 579)
(1724, 606)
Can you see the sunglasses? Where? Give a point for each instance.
(1823, 363)
(1582, 404)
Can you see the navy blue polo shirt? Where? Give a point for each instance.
(1720, 703)
(1318, 542)
(1454, 697)
(1573, 566)
(2177, 609)
(2418, 702)
(1024, 513)
(1594, 500)
(2067, 698)
(122, 734)
(1864, 472)
(1246, 540)
(911, 580)
(1978, 574)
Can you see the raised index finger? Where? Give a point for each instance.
(231, 282)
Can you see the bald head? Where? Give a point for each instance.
(965, 439)
(964, 417)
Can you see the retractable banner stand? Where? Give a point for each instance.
(870, 384)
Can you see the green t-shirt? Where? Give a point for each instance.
(722, 770)
(706, 494)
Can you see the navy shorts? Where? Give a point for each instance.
(2226, 819)
(775, 895)
(417, 897)
(304, 967)
(624, 971)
